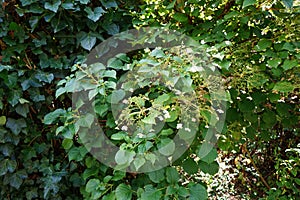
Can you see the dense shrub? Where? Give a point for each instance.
(253, 44)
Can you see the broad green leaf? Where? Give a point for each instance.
(110, 73)
(67, 143)
(273, 63)
(289, 64)
(263, 44)
(88, 42)
(247, 3)
(124, 157)
(94, 15)
(138, 162)
(207, 152)
(77, 153)
(269, 118)
(210, 168)
(181, 17)
(167, 132)
(172, 175)
(171, 5)
(190, 166)
(123, 192)
(166, 147)
(92, 185)
(157, 176)
(118, 136)
(101, 109)
(53, 116)
(117, 96)
(2, 120)
(16, 126)
(284, 86)
(151, 193)
(52, 6)
(86, 120)
(197, 192)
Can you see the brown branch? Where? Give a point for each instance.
(255, 167)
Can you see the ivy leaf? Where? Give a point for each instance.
(284, 86)
(88, 42)
(84, 1)
(22, 109)
(7, 165)
(123, 192)
(197, 191)
(28, 2)
(112, 29)
(16, 125)
(247, 3)
(288, 3)
(33, 22)
(109, 3)
(15, 181)
(52, 6)
(94, 15)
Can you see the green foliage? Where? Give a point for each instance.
(254, 44)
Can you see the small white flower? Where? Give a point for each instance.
(131, 90)
(229, 87)
(281, 101)
(238, 98)
(193, 119)
(124, 128)
(220, 111)
(294, 97)
(151, 130)
(243, 92)
(125, 101)
(160, 118)
(206, 126)
(140, 135)
(250, 98)
(167, 114)
(179, 126)
(187, 129)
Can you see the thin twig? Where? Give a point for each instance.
(255, 167)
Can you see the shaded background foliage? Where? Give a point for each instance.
(256, 44)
